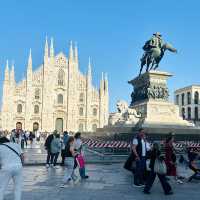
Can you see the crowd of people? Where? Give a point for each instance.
(72, 155)
(148, 161)
(64, 144)
(24, 138)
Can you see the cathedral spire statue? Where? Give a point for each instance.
(106, 81)
(89, 72)
(76, 53)
(12, 74)
(71, 52)
(29, 68)
(7, 72)
(30, 61)
(51, 48)
(46, 48)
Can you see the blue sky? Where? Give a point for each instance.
(112, 32)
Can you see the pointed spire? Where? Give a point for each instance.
(106, 77)
(76, 53)
(7, 67)
(12, 74)
(89, 67)
(51, 48)
(71, 54)
(106, 82)
(6, 72)
(102, 83)
(30, 60)
(46, 50)
(102, 76)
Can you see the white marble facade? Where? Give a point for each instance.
(54, 96)
(187, 99)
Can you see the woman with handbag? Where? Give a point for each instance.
(158, 167)
(79, 159)
(170, 158)
(70, 154)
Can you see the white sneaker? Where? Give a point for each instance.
(47, 165)
(179, 181)
(55, 167)
(51, 165)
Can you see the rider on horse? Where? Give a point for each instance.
(156, 41)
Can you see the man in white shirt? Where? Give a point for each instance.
(140, 148)
(11, 157)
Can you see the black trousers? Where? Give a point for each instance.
(165, 185)
(49, 155)
(63, 157)
(54, 158)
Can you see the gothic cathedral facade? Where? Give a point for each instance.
(55, 96)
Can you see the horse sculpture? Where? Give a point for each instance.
(154, 56)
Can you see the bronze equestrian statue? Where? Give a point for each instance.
(154, 51)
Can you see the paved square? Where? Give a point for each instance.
(107, 182)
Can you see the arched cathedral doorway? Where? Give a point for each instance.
(35, 126)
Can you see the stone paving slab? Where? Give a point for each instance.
(106, 182)
(37, 156)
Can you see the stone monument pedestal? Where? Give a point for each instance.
(150, 109)
(150, 98)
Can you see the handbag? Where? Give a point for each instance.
(130, 163)
(80, 161)
(160, 167)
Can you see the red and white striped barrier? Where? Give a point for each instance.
(125, 145)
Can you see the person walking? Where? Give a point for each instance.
(31, 138)
(55, 149)
(48, 147)
(156, 155)
(64, 142)
(11, 158)
(70, 154)
(17, 135)
(170, 158)
(79, 159)
(140, 147)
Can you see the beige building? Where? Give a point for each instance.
(187, 99)
(54, 96)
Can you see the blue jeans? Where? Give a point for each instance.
(82, 172)
(140, 171)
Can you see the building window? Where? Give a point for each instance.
(19, 108)
(183, 99)
(189, 113)
(196, 113)
(189, 98)
(36, 109)
(81, 111)
(94, 127)
(177, 99)
(183, 113)
(37, 93)
(94, 112)
(61, 77)
(196, 97)
(80, 127)
(81, 97)
(60, 99)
